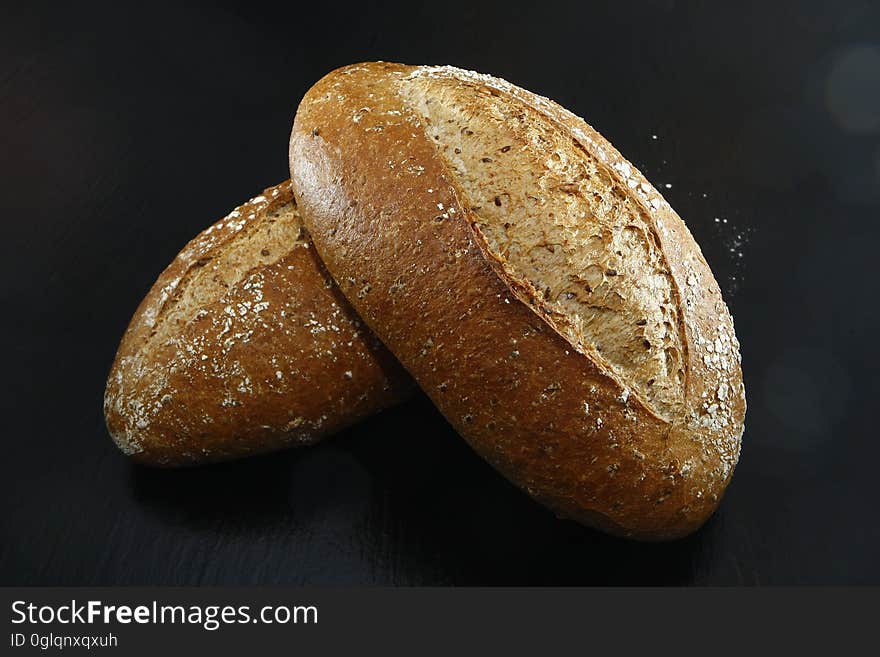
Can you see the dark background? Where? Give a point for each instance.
(126, 130)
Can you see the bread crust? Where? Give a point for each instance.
(396, 231)
(244, 345)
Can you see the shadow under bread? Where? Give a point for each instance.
(407, 493)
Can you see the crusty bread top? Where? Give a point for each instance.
(588, 256)
(440, 196)
(244, 345)
(631, 264)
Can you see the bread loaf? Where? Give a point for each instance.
(244, 345)
(538, 288)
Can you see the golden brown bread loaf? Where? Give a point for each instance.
(244, 345)
(538, 288)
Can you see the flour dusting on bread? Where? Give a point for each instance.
(242, 346)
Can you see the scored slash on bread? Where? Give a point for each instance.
(244, 345)
(537, 287)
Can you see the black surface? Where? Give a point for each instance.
(127, 130)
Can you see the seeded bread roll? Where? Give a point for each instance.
(538, 288)
(244, 345)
